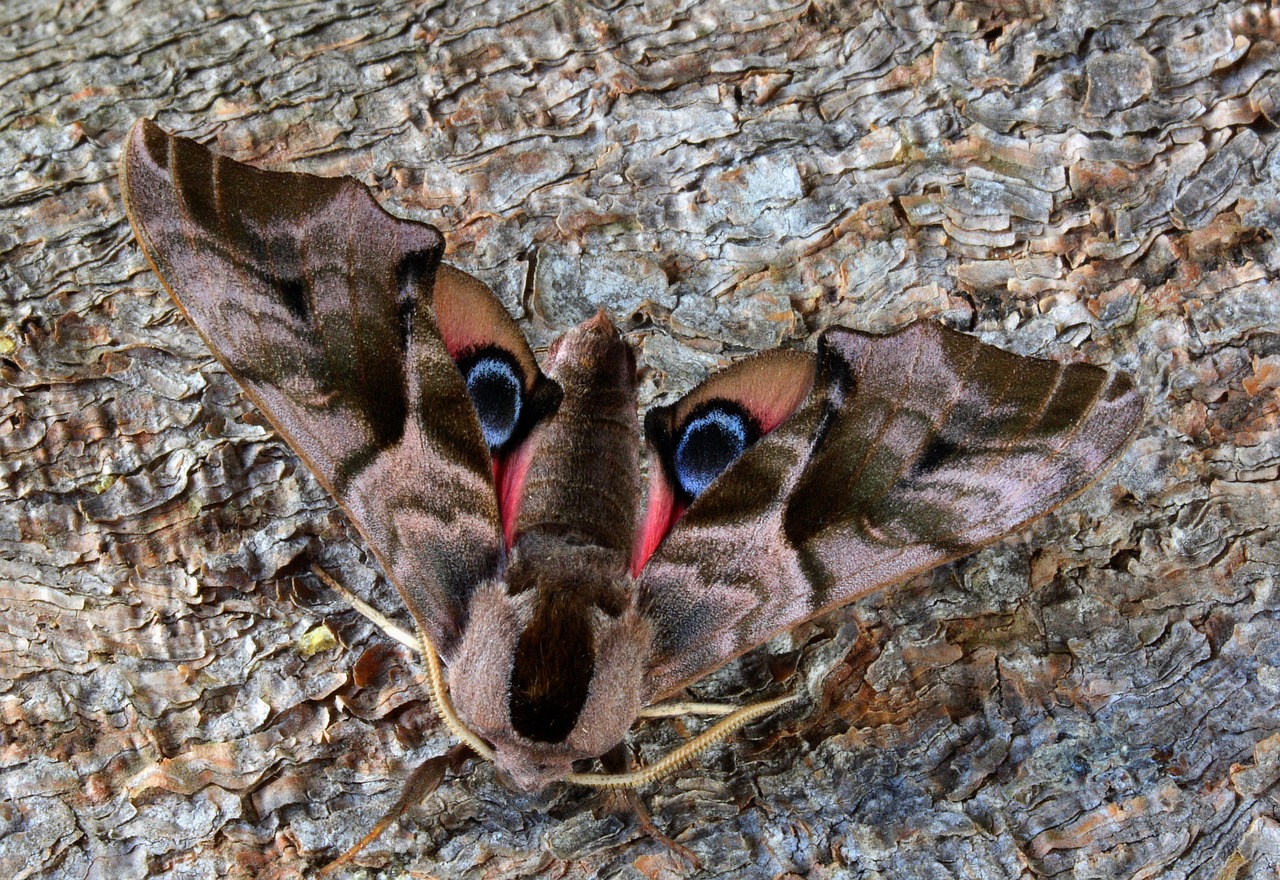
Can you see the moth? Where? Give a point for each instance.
(503, 497)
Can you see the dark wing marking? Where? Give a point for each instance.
(913, 449)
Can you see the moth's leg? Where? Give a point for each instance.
(422, 782)
(678, 708)
(384, 623)
(685, 753)
(618, 760)
(435, 675)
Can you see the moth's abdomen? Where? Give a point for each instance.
(582, 483)
(569, 498)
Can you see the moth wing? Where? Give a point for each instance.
(911, 449)
(328, 311)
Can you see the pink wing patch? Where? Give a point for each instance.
(470, 317)
(509, 474)
(660, 514)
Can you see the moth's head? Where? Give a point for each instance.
(548, 677)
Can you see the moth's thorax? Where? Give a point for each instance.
(551, 664)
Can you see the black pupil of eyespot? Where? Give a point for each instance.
(710, 443)
(497, 394)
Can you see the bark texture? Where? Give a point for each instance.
(1096, 698)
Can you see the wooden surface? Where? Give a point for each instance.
(1098, 697)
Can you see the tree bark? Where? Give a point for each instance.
(1096, 697)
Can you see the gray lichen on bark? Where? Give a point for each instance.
(1097, 697)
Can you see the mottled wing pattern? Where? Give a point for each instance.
(912, 449)
(320, 304)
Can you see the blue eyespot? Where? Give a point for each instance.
(709, 443)
(497, 393)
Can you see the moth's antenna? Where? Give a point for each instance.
(429, 775)
(440, 697)
(683, 754)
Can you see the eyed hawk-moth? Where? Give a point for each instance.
(503, 497)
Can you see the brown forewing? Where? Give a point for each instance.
(913, 448)
(320, 304)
